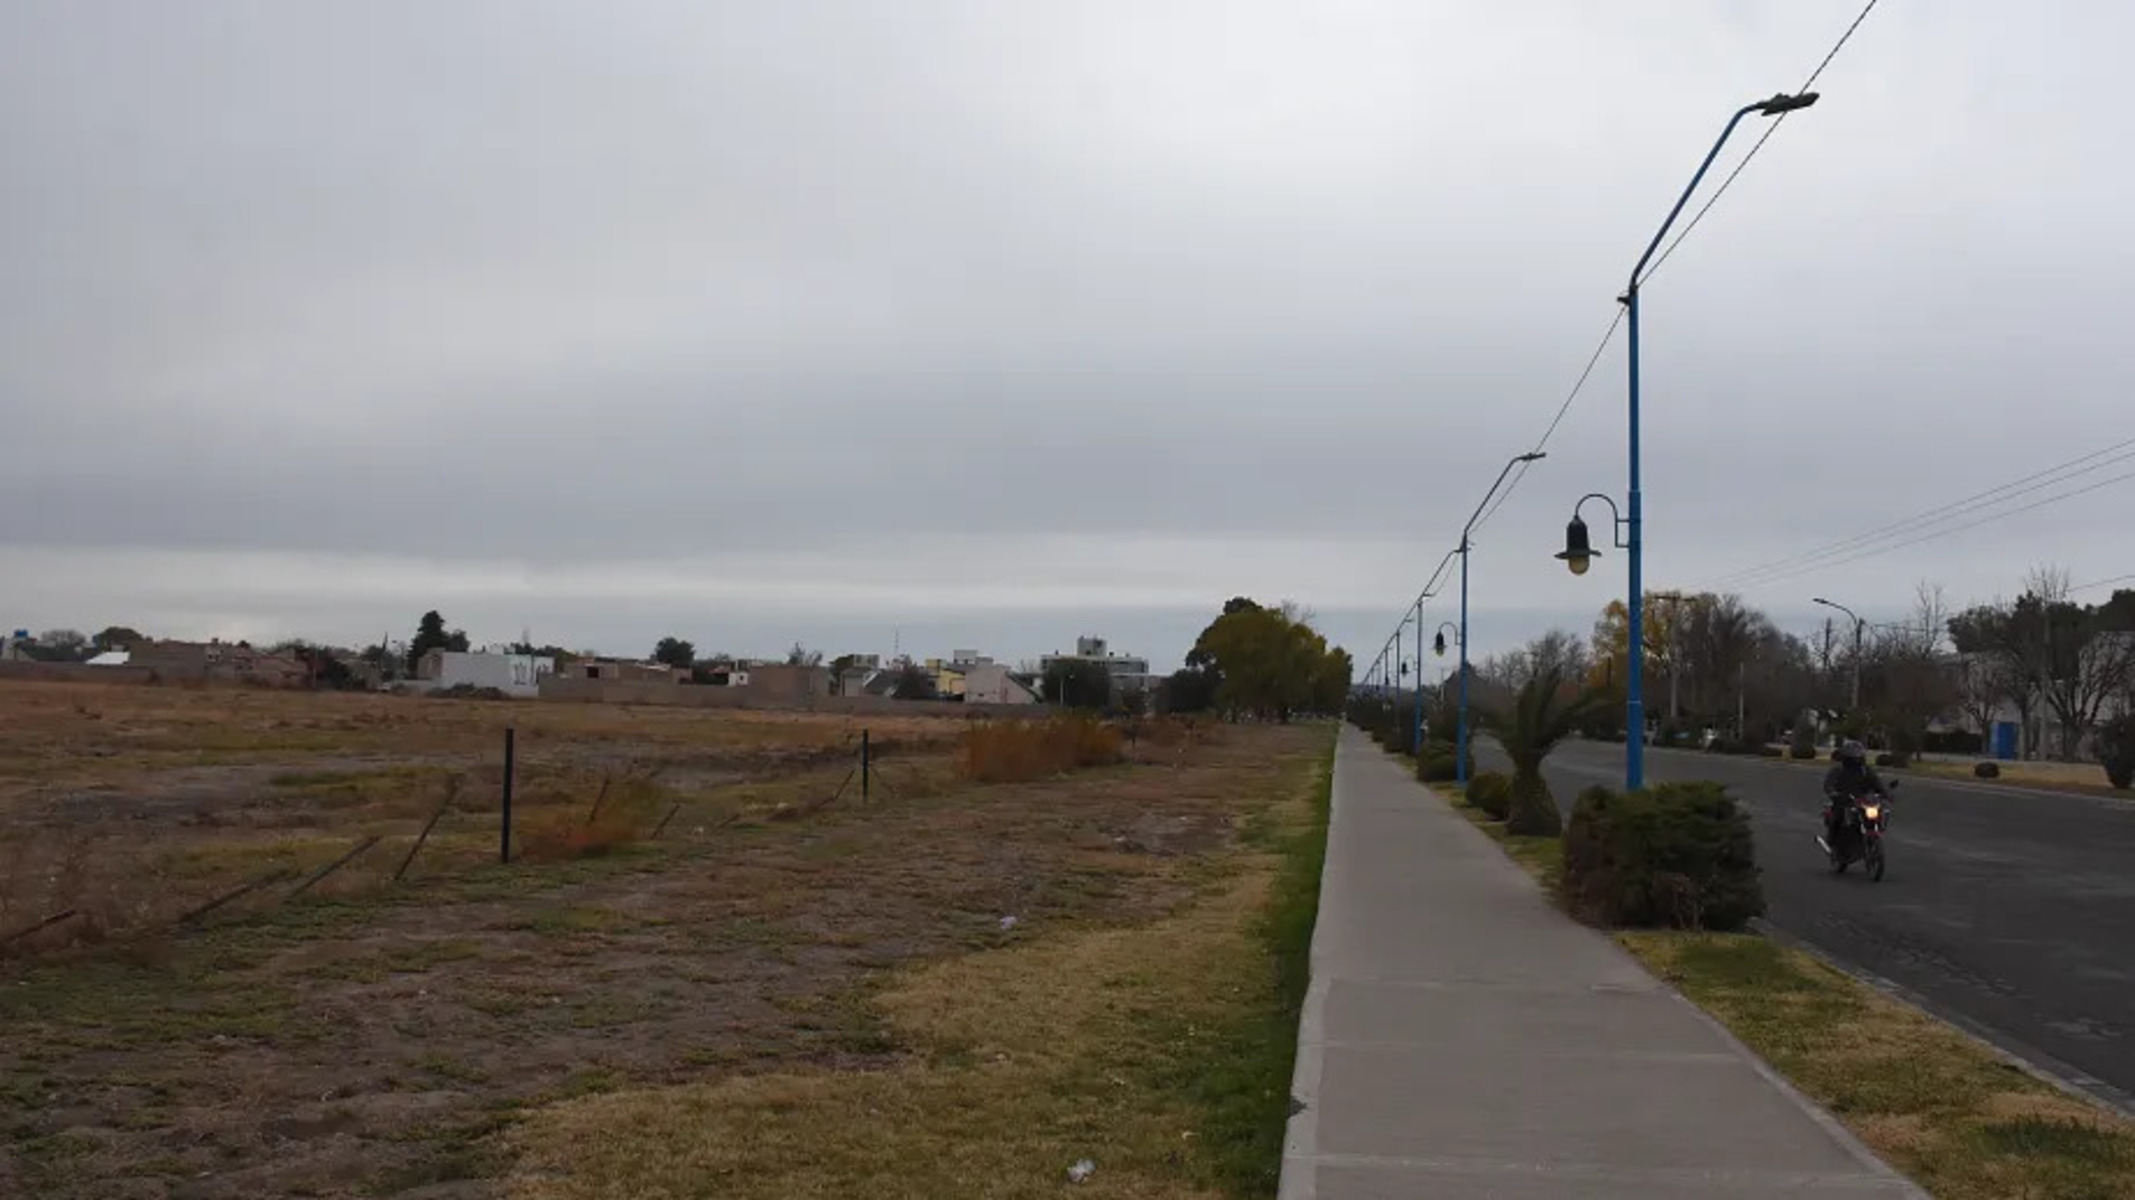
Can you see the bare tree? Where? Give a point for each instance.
(1906, 685)
(1931, 613)
(2055, 655)
(2010, 636)
(2048, 582)
(1983, 686)
(1721, 635)
(2090, 666)
(1556, 652)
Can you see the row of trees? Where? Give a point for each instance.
(1259, 661)
(1713, 661)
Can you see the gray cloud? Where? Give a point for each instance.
(518, 291)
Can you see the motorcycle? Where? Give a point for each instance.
(1860, 834)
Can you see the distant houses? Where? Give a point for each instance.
(965, 676)
(218, 662)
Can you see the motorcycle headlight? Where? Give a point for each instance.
(1871, 811)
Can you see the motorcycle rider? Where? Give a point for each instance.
(1849, 779)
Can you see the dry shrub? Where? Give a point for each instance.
(622, 812)
(1181, 731)
(1017, 751)
(44, 874)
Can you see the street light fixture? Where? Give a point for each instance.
(1579, 550)
(1576, 554)
(1783, 103)
(1438, 640)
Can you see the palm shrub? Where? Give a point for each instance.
(1546, 711)
(1492, 793)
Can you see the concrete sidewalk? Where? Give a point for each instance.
(1462, 1038)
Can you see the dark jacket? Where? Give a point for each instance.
(1838, 781)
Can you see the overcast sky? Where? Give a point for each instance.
(986, 324)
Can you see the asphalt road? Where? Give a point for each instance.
(2009, 912)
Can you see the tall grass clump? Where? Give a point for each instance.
(1018, 751)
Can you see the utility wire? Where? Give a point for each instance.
(1943, 533)
(2036, 481)
(1769, 130)
(1578, 385)
(2084, 587)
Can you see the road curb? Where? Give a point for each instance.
(2031, 1061)
(1816, 1112)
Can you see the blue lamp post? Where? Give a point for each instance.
(1460, 752)
(1429, 590)
(1631, 521)
(1416, 733)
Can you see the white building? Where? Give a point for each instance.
(1130, 672)
(512, 674)
(991, 683)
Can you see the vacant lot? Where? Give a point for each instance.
(769, 958)
(134, 805)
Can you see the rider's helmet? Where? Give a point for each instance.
(1853, 754)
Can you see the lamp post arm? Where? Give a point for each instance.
(1684, 199)
(1619, 535)
(1510, 463)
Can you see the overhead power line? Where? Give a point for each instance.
(1512, 485)
(1919, 522)
(2099, 583)
(1769, 130)
(1989, 518)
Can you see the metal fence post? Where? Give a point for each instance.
(504, 832)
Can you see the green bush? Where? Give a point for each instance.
(1770, 751)
(1390, 720)
(1436, 763)
(1803, 751)
(1678, 855)
(1436, 766)
(1987, 770)
(2116, 749)
(1492, 793)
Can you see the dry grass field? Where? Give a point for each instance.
(133, 805)
(444, 1035)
